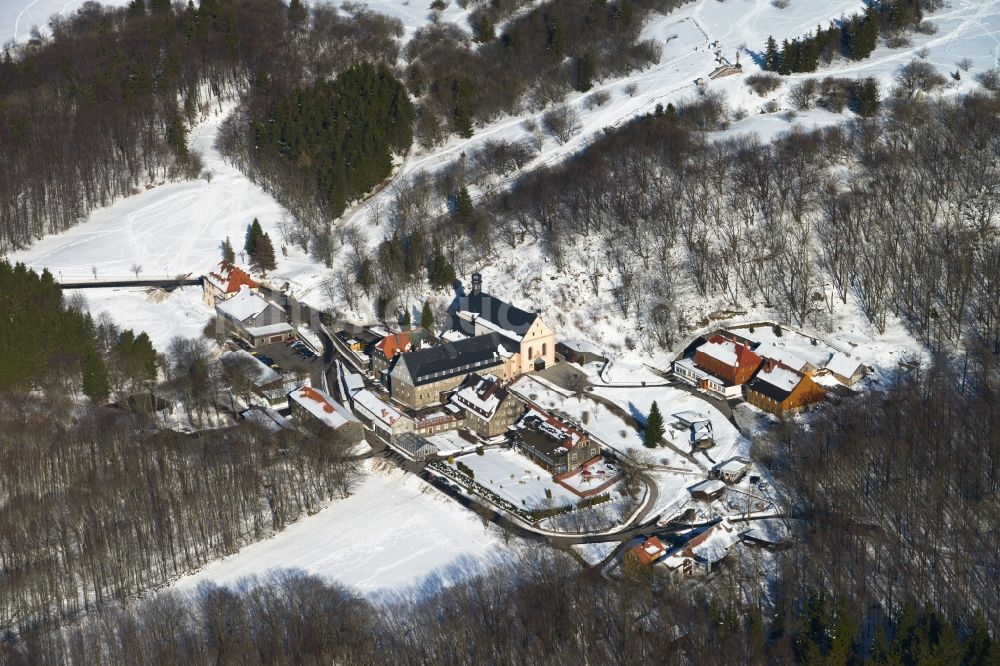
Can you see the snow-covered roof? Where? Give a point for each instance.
(380, 410)
(353, 382)
(453, 336)
(780, 377)
(843, 365)
(489, 325)
(264, 374)
(733, 466)
(266, 418)
(322, 406)
(480, 394)
(782, 355)
(688, 416)
(270, 329)
(707, 487)
(689, 365)
(730, 353)
(243, 305)
(714, 543)
(582, 346)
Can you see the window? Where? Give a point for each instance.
(545, 348)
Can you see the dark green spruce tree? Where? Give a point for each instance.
(427, 317)
(654, 427)
(95, 378)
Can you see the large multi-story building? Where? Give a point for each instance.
(251, 317)
(424, 377)
(489, 408)
(478, 314)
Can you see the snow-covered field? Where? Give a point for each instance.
(161, 315)
(394, 533)
(728, 441)
(170, 229)
(515, 478)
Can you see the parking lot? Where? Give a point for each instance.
(292, 362)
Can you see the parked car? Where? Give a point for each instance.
(242, 344)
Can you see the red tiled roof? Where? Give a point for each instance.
(745, 357)
(234, 277)
(650, 550)
(394, 343)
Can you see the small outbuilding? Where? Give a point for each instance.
(707, 491)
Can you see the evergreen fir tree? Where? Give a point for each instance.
(654, 427)
(977, 645)
(440, 273)
(136, 8)
(867, 99)
(485, 30)
(464, 208)
(556, 38)
(263, 258)
(95, 378)
(785, 61)
(771, 58)
(405, 321)
(228, 254)
(462, 110)
(297, 13)
(145, 356)
(585, 72)
(254, 232)
(177, 136)
(427, 317)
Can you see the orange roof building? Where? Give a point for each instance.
(393, 344)
(226, 282)
(649, 551)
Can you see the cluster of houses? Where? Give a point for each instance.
(423, 385)
(700, 554)
(702, 550)
(763, 374)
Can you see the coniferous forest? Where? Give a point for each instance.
(42, 342)
(336, 138)
(854, 37)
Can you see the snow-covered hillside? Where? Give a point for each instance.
(18, 17)
(393, 533)
(175, 228)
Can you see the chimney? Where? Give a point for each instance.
(477, 284)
